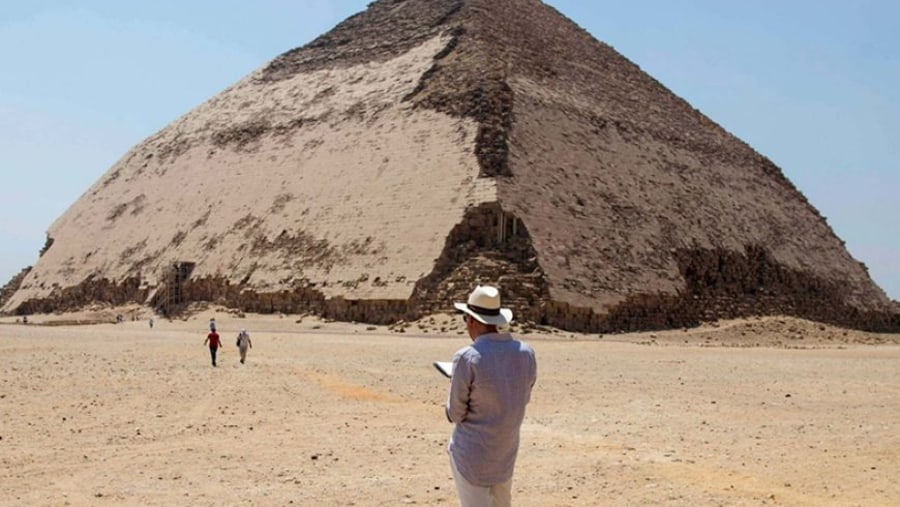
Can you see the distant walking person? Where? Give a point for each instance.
(214, 343)
(491, 384)
(243, 342)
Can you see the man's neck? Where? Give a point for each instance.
(487, 330)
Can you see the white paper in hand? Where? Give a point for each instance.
(445, 367)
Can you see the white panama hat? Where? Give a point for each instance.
(484, 306)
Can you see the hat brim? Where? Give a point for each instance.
(504, 318)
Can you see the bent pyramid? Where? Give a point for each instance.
(423, 146)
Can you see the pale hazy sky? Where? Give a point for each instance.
(814, 85)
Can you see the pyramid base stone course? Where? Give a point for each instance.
(720, 285)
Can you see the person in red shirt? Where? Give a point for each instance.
(214, 343)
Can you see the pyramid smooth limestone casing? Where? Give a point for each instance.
(368, 188)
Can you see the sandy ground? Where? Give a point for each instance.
(760, 412)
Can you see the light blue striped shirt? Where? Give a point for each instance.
(491, 384)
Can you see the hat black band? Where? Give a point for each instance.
(483, 311)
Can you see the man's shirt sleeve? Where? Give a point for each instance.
(460, 388)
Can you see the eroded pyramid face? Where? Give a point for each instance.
(422, 147)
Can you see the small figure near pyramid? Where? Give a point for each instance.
(243, 343)
(214, 342)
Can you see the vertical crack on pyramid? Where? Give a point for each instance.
(489, 246)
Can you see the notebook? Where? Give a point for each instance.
(445, 367)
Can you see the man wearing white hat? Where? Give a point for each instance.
(491, 384)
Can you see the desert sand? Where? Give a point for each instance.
(769, 411)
